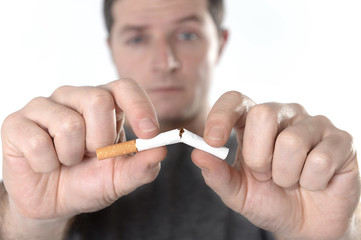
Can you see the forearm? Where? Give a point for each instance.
(13, 225)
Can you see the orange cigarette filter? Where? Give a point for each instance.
(116, 150)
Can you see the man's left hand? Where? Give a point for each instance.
(294, 174)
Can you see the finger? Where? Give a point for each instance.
(23, 138)
(109, 180)
(263, 124)
(333, 155)
(221, 178)
(97, 107)
(64, 125)
(291, 149)
(226, 112)
(258, 140)
(133, 100)
(137, 170)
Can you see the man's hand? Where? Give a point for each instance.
(294, 174)
(50, 168)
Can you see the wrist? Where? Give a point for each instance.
(353, 232)
(14, 225)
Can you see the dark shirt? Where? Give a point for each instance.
(178, 205)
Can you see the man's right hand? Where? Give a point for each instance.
(50, 169)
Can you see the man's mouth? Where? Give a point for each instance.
(166, 90)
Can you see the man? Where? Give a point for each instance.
(293, 175)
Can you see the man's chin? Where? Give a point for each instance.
(174, 115)
(170, 111)
(169, 121)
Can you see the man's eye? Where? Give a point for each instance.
(135, 40)
(187, 36)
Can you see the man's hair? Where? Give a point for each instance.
(215, 8)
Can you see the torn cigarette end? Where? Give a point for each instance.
(116, 150)
(181, 131)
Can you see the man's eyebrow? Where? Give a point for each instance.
(140, 28)
(133, 28)
(191, 18)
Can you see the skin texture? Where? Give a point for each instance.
(294, 174)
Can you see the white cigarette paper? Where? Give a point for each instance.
(198, 142)
(163, 139)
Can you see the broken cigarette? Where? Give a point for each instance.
(163, 139)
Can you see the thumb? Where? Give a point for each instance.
(137, 170)
(223, 179)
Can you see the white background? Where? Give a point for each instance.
(306, 51)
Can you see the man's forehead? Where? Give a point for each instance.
(158, 11)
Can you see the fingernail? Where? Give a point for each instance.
(147, 125)
(216, 133)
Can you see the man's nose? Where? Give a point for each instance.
(164, 57)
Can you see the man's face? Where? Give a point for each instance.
(169, 47)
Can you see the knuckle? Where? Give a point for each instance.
(323, 120)
(60, 90)
(72, 125)
(300, 109)
(233, 97)
(288, 139)
(100, 99)
(262, 112)
(36, 144)
(36, 101)
(139, 100)
(237, 99)
(321, 162)
(9, 120)
(345, 137)
(126, 84)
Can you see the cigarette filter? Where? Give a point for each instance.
(163, 139)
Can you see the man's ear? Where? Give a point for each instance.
(223, 39)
